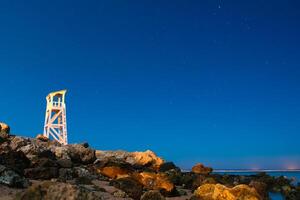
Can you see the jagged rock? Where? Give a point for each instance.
(201, 169)
(61, 152)
(80, 154)
(155, 181)
(111, 155)
(4, 146)
(175, 176)
(172, 171)
(42, 138)
(152, 195)
(129, 185)
(113, 168)
(147, 158)
(11, 178)
(4, 130)
(48, 190)
(221, 192)
(84, 175)
(261, 188)
(192, 181)
(114, 172)
(18, 142)
(66, 174)
(82, 172)
(64, 163)
(293, 195)
(168, 166)
(44, 162)
(120, 194)
(43, 173)
(34, 149)
(15, 160)
(136, 159)
(85, 145)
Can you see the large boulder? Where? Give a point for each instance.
(48, 190)
(136, 159)
(66, 174)
(166, 166)
(133, 188)
(42, 138)
(221, 192)
(42, 173)
(155, 181)
(147, 158)
(113, 168)
(17, 142)
(11, 178)
(261, 188)
(201, 169)
(64, 163)
(61, 152)
(15, 160)
(192, 181)
(81, 154)
(114, 172)
(32, 148)
(293, 194)
(4, 130)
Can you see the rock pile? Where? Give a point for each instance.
(38, 169)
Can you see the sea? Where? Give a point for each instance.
(291, 174)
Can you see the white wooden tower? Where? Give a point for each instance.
(55, 119)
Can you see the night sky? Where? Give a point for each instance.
(208, 81)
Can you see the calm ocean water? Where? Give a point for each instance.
(295, 175)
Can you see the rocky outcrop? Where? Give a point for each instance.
(76, 171)
(201, 169)
(221, 192)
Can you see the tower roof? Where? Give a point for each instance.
(60, 92)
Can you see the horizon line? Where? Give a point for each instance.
(253, 170)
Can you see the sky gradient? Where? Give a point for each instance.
(208, 81)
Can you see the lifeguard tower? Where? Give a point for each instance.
(55, 119)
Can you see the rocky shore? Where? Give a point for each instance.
(38, 169)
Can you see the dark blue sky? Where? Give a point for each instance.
(209, 81)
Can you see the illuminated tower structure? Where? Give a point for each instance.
(55, 119)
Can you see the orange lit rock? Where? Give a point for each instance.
(154, 181)
(42, 138)
(147, 158)
(144, 158)
(201, 169)
(221, 192)
(113, 172)
(4, 130)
